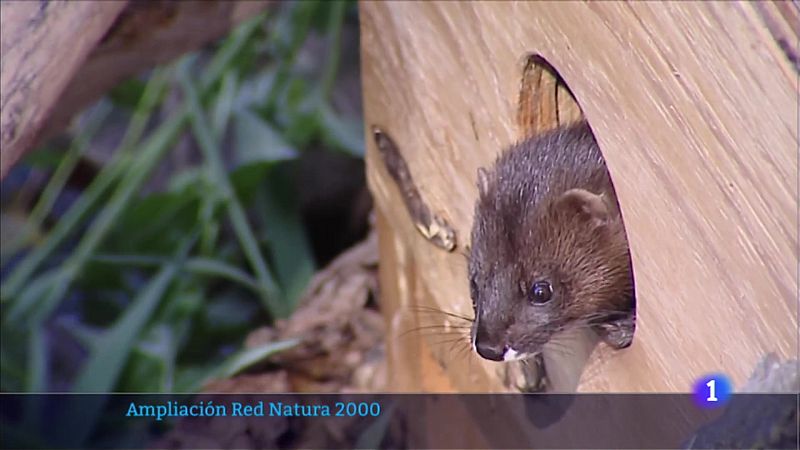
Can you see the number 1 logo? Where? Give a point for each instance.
(711, 388)
(712, 391)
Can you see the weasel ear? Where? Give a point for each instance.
(589, 205)
(483, 181)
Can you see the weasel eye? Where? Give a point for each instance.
(541, 292)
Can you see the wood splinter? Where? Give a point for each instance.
(434, 228)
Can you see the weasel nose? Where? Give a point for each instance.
(492, 352)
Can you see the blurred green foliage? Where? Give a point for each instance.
(154, 291)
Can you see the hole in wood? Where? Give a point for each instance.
(550, 271)
(545, 100)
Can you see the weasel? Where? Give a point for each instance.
(549, 249)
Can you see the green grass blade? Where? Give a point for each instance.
(342, 133)
(270, 295)
(300, 17)
(152, 151)
(223, 106)
(108, 358)
(198, 265)
(12, 371)
(335, 21)
(249, 357)
(36, 376)
(59, 179)
(37, 361)
(91, 196)
(215, 267)
(292, 256)
(36, 290)
(230, 48)
(129, 260)
(19, 277)
(220, 116)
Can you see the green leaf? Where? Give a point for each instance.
(335, 18)
(288, 34)
(109, 356)
(299, 95)
(107, 359)
(258, 141)
(249, 357)
(303, 127)
(101, 278)
(86, 336)
(248, 178)
(224, 104)
(343, 133)
(34, 291)
(92, 196)
(183, 303)
(190, 179)
(255, 89)
(37, 360)
(128, 188)
(94, 119)
(235, 44)
(270, 294)
(191, 378)
(230, 312)
(13, 359)
(154, 224)
(220, 269)
(128, 93)
(14, 228)
(289, 245)
(211, 267)
(151, 365)
(45, 157)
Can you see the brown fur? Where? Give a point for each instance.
(526, 229)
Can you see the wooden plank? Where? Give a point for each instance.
(694, 105)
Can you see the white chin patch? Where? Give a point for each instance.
(512, 355)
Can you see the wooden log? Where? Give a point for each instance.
(59, 57)
(694, 106)
(148, 34)
(43, 44)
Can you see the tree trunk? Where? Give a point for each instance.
(694, 106)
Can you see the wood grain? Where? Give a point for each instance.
(145, 35)
(43, 44)
(59, 57)
(694, 105)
